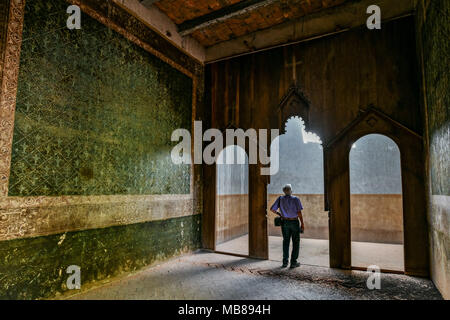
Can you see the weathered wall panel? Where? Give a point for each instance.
(338, 74)
(433, 29)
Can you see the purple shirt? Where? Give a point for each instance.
(288, 205)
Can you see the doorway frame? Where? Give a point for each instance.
(293, 103)
(383, 270)
(208, 238)
(286, 117)
(215, 200)
(337, 189)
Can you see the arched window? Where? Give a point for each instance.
(376, 203)
(232, 201)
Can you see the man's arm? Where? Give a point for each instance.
(300, 216)
(299, 213)
(276, 212)
(275, 207)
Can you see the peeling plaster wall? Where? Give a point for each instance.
(433, 29)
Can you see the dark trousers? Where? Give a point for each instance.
(290, 229)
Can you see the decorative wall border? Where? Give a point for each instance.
(4, 18)
(8, 92)
(43, 215)
(26, 217)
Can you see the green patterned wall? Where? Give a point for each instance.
(94, 111)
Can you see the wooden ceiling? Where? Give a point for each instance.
(214, 21)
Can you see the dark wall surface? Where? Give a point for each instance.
(339, 75)
(433, 29)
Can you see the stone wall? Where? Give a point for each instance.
(433, 29)
(85, 172)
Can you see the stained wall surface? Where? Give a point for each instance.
(433, 28)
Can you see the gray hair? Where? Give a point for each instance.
(287, 186)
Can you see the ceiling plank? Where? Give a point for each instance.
(221, 15)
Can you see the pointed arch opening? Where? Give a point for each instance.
(300, 164)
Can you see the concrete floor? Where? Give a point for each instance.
(204, 275)
(314, 252)
(386, 256)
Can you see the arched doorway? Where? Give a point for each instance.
(300, 163)
(232, 218)
(376, 203)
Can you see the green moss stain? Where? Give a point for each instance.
(36, 267)
(94, 112)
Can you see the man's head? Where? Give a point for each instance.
(287, 189)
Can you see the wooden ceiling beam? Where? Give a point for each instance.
(159, 22)
(148, 3)
(330, 21)
(221, 15)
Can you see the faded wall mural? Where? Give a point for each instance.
(94, 112)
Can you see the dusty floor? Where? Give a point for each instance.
(205, 275)
(314, 252)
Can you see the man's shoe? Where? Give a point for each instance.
(284, 265)
(295, 265)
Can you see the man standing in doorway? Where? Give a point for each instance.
(290, 212)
